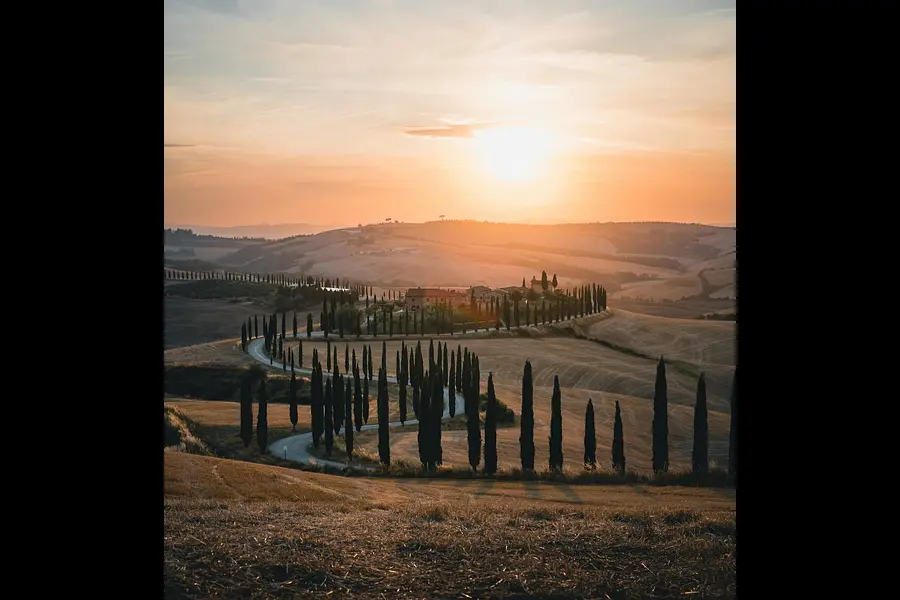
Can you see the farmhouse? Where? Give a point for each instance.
(416, 298)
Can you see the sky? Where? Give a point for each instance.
(352, 111)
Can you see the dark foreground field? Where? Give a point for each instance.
(235, 529)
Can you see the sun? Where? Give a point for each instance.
(513, 153)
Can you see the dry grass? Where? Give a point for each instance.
(189, 322)
(223, 352)
(233, 529)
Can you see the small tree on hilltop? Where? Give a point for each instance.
(590, 437)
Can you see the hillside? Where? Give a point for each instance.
(648, 255)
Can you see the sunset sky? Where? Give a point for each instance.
(345, 111)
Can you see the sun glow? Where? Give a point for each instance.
(513, 153)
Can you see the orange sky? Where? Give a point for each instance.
(295, 112)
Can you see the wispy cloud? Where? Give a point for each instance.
(457, 130)
(179, 145)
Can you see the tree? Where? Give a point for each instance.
(473, 426)
(618, 444)
(451, 386)
(292, 399)
(337, 401)
(700, 453)
(556, 453)
(243, 337)
(732, 433)
(316, 400)
(544, 282)
(256, 326)
(436, 408)
(490, 429)
(262, 425)
(328, 356)
(590, 436)
(295, 325)
(660, 420)
(309, 325)
(348, 420)
(371, 372)
(365, 361)
(300, 354)
(459, 367)
(384, 445)
(346, 358)
(403, 380)
(445, 374)
(246, 411)
(555, 282)
(526, 423)
(329, 418)
(365, 405)
(357, 401)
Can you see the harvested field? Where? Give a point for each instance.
(260, 531)
(189, 322)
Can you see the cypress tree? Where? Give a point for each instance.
(357, 401)
(243, 337)
(246, 411)
(295, 325)
(371, 372)
(437, 413)
(365, 405)
(660, 420)
(256, 326)
(262, 424)
(526, 423)
(329, 418)
(445, 374)
(403, 380)
(459, 367)
(451, 386)
(300, 354)
(334, 360)
(309, 325)
(346, 358)
(328, 356)
(348, 420)
(391, 328)
(365, 362)
(384, 445)
(556, 453)
(292, 399)
(337, 402)
(590, 437)
(700, 454)
(490, 430)
(424, 424)
(732, 432)
(314, 401)
(473, 426)
(358, 325)
(618, 444)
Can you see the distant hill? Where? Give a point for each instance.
(638, 260)
(270, 232)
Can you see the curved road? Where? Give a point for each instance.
(294, 448)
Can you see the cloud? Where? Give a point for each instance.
(455, 130)
(179, 145)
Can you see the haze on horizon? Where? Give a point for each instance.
(346, 111)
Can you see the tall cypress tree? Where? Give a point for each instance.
(458, 367)
(732, 432)
(346, 358)
(590, 436)
(328, 356)
(295, 325)
(526, 423)
(357, 401)
(243, 337)
(473, 426)
(309, 325)
(618, 444)
(256, 326)
(437, 413)
(556, 453)
(451, 386)
(445, 374)
(316, 401)
(384, 445)
(660, 420)
(246, 411)
(337, 402)
(262, 422)
(365, 362)
(329, 418)
(300, 354)
(371, 371)
(490, 429)
(348, 420)
(365, 404)
(424, 425)
(292, 399)
(403, 380)
(700, 454)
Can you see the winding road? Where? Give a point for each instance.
(294, 448)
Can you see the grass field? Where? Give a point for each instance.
(248, 530)
(189, 322)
